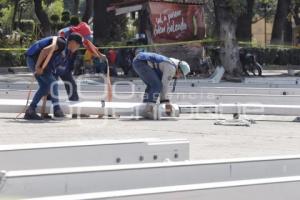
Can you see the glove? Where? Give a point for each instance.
(169, 109)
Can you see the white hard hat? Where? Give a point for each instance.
(184, 67)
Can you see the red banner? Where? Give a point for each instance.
(176, 22)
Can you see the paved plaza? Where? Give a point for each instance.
(271, 135)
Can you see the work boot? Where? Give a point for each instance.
(30, 114)
(59, 114)
(46, 116)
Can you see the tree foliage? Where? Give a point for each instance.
(6, 12)
(236, 7)
(65, 17)
(55, 8)
(259, 10)
(107, 26)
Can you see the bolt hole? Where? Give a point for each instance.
(118, 160)
(141, 158)
(176, 156)
(155, 157)
(236, 116)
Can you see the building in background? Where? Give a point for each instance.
(259, 34)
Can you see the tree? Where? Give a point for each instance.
(107, 26)
(43, 17)
(296, 11)
(228, 12)
(21, 9)
(75, 7)
(65, 17)
(101, 20)
(68, 5)
(16, 6)
(244, 24)
(88, 10)
(282, 28)
(55, 19)
(72, 6)
(294, 16)
(264, 9)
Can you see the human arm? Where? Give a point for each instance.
(45, 56)
(93, 49)
(168, 72)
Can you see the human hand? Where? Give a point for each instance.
(104, 58)
(38, 71)
(169, 109)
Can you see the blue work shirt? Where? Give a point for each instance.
(35, 49)
(65, 62)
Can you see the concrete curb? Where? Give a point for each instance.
(12, 70)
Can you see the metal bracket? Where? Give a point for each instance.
(2, 179)
(234, 122)
(102, 103)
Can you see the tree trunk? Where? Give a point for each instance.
(88, 10)
(101, 20)
(288, 33)
(143, 21)
(244, 24)
(281, 29)
(229, 52)
(68, 5)
(43, 17)
(216, 31)
(75, 7)
(13, 22)
(20, 16)
(107, 26)
(296, 15)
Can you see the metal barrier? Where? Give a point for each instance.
(53, 182)
(247, 109)
(259, 189)
(91, 153)
(182, 98)
(92, 108)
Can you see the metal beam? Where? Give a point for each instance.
(247, 109)
(259, 189)
(193, 86)
(92, 108)
(91, 153)
(137, 109)
(186, 86)
(273, 80)
(52, 182)
(178, 98)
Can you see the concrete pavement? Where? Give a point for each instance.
(270, 136)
